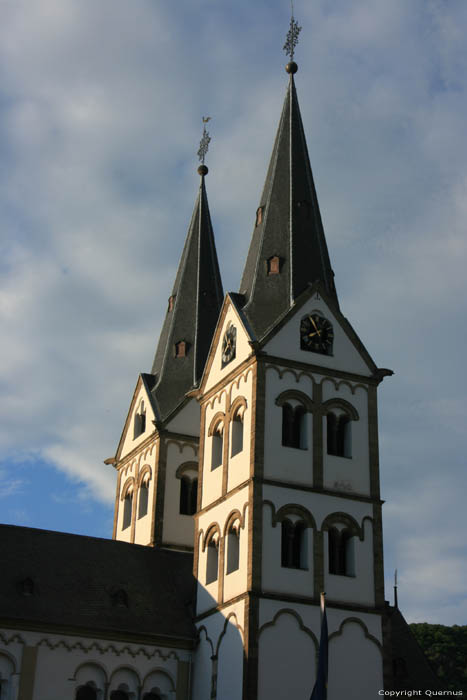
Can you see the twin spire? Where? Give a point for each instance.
(288, 253)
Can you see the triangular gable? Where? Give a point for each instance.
(127, 441)
(349, 353)
(230, 314)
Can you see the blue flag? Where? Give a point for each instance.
(320, 690)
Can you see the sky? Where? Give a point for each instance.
(100, 121)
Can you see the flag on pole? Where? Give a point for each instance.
(320, 690)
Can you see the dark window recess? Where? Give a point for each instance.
(339, 434)
(212, 562)
(188, 495)
(151, 696)
(127, 510)
(340, 552)
(143, 500)
(233, 550)
(217, 449)
(273, 265)
(86, 692)
(171, 302)
(237, 436)
(293, 426)
(259, 216)
(292, 556)
(181, 349)
(119, 695)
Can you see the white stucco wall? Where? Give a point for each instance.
(177, 528)
(286, 343)
(66, 662)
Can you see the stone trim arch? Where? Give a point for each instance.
(211, 532)
(186, 467)
(129, 484)
(125, 667)
(163, 672)
(218, 419)
(11, 659)
(99, 666)
(357, 620)
(143, 475)
(293, 394)
(231, 518)
(344, 405)
(294, 509)
(237, 404)
(224, 631)
(302, 626)
(340, 518)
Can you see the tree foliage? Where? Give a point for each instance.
(446, 650)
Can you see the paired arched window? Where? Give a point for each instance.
(217, 445)
(341, 552)
(293, 544)
(212, 559)
(143, 495)
(294, 426)
(127, 509)
(295, 406)
(188, 494)
(187, 473)
(339, 417)
(233, 547)
(139, 423)
(339, 434)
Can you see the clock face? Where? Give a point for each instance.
(228, 345)
(316, 334)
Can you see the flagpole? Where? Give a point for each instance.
(320, 689)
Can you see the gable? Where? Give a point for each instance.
(134, 433)
(216, 370)
(348, 353)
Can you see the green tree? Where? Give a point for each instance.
(446, 650)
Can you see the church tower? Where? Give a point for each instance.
(157, 457)
(289, 501)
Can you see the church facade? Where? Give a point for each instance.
(247, 485)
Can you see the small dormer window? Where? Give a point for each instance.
(273, 265)
(139, 425)
(181, 349)
(171, 302)
(259, 216)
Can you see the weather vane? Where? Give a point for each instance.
(291, 40)
(204, 143)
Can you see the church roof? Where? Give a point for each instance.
(192, 313)
(288, 228)
(95, 586)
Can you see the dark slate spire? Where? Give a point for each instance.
(192, 312)
(288, 250)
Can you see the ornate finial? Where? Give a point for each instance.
(203, 147)
(291, 40)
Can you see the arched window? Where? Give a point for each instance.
(86, 692)
(294, 426)
(339, 434)
(212, 559)
(293, 550)
(233, 547)
(139, 423)
(217, 446)
(236, 435)
(127, 509)
(188, 494)
(341, 552)
(143, 499)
